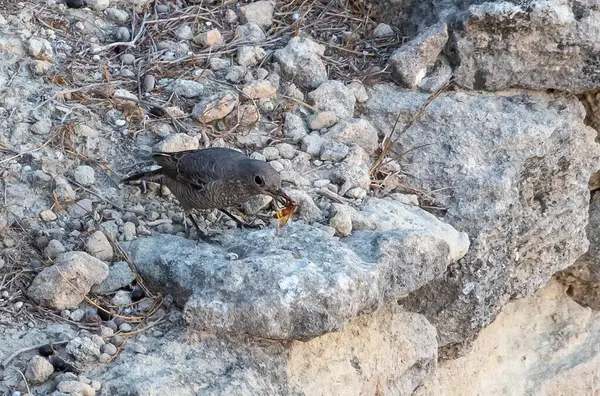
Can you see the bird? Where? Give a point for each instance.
(212, 178)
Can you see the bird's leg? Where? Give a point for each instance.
(201, 234)
(241, 224)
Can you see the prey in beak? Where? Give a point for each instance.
(289, 206)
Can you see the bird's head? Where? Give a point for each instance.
(263, 179)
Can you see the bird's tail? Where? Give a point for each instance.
(150, 176)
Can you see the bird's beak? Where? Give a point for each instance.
(279, 196)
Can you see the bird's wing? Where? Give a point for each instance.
(198, 167)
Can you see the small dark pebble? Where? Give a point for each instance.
(46, 350)
(41, 242)
(117, 340)
(119, 321)
(104, 313)
(157, 111)
(60, 365)
(111, 325)
(75, 3)
(137, 294)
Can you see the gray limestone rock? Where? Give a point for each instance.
(411, 61)
(553, 44)
(512, 171)
(334, 96)
(298, 282)
(300, 61)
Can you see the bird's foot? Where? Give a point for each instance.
(258, 226)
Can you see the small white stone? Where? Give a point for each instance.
(48, 215)
(120, 123)
(84, 175)
(271, 153)
(383, 30)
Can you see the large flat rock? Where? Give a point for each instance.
(297, 282)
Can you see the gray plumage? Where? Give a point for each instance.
(212, 178)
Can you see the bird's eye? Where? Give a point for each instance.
(258, 180)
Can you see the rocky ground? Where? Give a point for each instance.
(441, 154)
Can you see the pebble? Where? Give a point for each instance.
(65, 377)
(122, 297)
(383, 30)
(5, 294)
(76, 388)
(125, 327)
(236, 74)
(259, 12)
(122, 34)
(116, 15)
(248, 55)
(259, 89)
(81, 208)
(99, 247)
(84, 175)
(294, 127)
(109, 349)
(356, 193)
(359, 91)
(333, 151)
(106, 332)
(271, 153)
(111, 325)
(42, 127)
(48, 215)
(149, 83)
(215, 107)
(312, 144)
(84, 379)
(54, 248)
(186, 88)
(128, 59)
(323, 119)
(219, 64)
(145, 305)
(96, 339)
(162, 8)
(117, 340)
(83, 349)
(129, 231)
(184, 32)
(38, 370)
(286, 150)
(104, 358)
(230, 16)
(18, 305)
(209, 38)
(250, 32)
(341, 220)
(77, 315)
(321, 183)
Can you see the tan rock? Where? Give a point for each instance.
(543, 344)
(65, 284)
(260, 89)
(209, 38)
